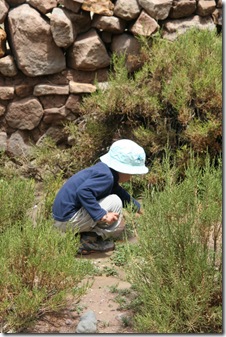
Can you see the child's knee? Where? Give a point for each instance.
(117, 202)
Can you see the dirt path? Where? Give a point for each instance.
(101, 298)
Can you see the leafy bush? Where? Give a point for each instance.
(17, 196)
(178, 274)
(38, 271)
(175, 98)
(38, 265)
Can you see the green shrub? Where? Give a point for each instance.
(38, 271)
(52, 160)
(17, 196)
(51, 184)
(38, 264)
(175, 98)
(178, 275)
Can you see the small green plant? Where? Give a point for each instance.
(122, 253)
(105, 324)
(110, 271)
(126, 321)
(114, 288)
(80, 308)
(121, 300)
(124, 298)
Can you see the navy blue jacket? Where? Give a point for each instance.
(84, 188)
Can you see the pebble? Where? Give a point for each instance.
(87, 323)
(68, 322)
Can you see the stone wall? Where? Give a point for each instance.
(53, 51)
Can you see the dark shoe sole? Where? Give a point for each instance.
(88, 252)
(84, 251)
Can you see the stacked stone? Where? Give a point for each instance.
(52, 51)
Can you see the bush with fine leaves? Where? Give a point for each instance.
(178, 271)
(38, 264)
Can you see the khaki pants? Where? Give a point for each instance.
(82, 221)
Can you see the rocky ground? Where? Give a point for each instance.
(103, 298)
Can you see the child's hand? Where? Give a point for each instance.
(110, 217)
(139, 213)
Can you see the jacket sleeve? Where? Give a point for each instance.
(126, 197)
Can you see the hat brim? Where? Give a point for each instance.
(123, 168)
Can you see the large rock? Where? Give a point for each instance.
(127, 10)
(182, 8)
(55, 115)
(73, 103)
(145, 25)
(6, 92)
(7, 66)
(53, 101)
(43, 6)
(103, 7)
(109, 23)
(50, 89)
(81, 21)
(126, 44)
(24, 114)
(173, 28)
(32, 42)
(157, 9)
(79, 88)
(88, 52)
(205, 8)
(73, 6)
(62, 28)
(13, 3)
(17, 145)
(4, 7)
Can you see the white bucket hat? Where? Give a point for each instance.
(126, 156)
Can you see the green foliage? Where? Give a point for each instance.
(51, 185)
(17, 196)
(120, 255)
(174, 101)
(178, 275)
(175, 98)
(8, 168)
(88, 141)
(53, 160)
(38, 271)
(85, 148)
(109, 271)
(38, 265)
